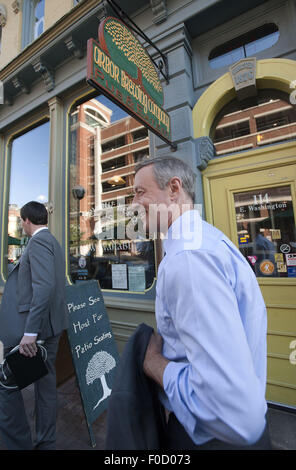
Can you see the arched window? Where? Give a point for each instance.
(267, 119)
(94, 118)
(246, 45)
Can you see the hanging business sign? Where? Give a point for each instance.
(119, 66)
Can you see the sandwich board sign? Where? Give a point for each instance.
(119, 66)
(93, 348)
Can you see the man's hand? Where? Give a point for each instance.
(28, 346)
(154, 362)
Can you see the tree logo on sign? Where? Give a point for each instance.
(100, 364)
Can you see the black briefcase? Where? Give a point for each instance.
(26, 370)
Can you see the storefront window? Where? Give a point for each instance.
(266, 230)
(266, 119)
(102, 160)
(28, 182)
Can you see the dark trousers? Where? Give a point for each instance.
(14, 426)
(177, 438)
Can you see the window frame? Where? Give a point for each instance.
(202, 45)
(28, 23)
(23, 128)
(241, 43)
(149, 293)
(230, 108)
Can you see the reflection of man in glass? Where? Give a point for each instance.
(145, 250)
(264, 249)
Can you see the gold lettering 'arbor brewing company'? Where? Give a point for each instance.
(119, 66)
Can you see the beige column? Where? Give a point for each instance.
(56, 174)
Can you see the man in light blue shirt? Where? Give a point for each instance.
(209, 355)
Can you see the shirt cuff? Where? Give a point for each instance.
(170, 374)
(30, 334)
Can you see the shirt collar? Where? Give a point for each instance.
(184, 233)
(39, 230)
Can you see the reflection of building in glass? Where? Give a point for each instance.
(264, 120)
(14, 232)
(14, 227)
(102, 162)
(123, 144)
(17, 240)
(86, 122)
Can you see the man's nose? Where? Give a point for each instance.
(134, 205)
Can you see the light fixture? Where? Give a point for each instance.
(259, 138)
(116, 181)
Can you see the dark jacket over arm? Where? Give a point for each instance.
(136, 419)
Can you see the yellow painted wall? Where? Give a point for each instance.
(54, 10)
(11, 34)
(12, 31)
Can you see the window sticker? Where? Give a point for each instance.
(279, 257)
(291, 259)
(267, 267)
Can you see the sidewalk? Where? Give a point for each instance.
(72, 432)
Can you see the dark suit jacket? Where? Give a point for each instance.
(34, 296)
(135, 419)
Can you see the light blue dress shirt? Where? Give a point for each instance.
(212, 317)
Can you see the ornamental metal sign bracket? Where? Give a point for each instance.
(162, 65)
(120, 67)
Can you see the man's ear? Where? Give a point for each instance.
(175, 186)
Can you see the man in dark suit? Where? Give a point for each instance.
(33, 308)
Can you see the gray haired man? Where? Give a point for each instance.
(209, 355)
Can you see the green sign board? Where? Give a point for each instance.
(93, 348)
(119, 66)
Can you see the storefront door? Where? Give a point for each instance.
(253, 201)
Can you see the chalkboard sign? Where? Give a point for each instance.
(93, 348)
